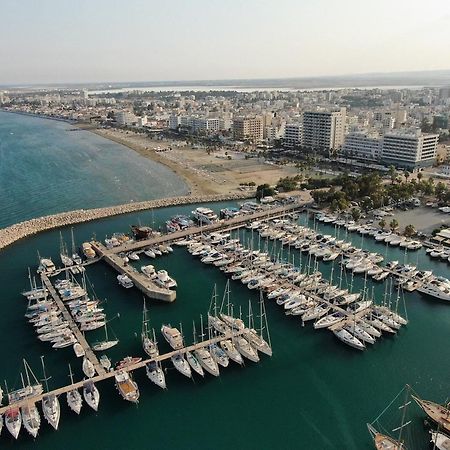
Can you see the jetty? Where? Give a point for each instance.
(73, 326)
(107, 375)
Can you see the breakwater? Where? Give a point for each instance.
(21, 230)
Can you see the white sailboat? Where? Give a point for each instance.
(155, 374)
(74, 399)
(88, 367)
(13, 421)
(150, 346)
(230, 349)
(181, 365)
(50, 404)
(91, 395)
(204, 357)
(101, 346)
(191, 359)
(31, 419)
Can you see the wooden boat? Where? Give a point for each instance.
(438, 413)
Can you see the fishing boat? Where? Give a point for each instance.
(101, 346)
(438, 413)
(13, 421)
(172, 336)
(155, 374)
(91, 395)
(88, 367)
(127, 388)
(74, 399)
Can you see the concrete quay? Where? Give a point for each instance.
(27, 228)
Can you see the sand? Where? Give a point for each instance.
(205, 174)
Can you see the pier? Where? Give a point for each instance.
(107, 375)
(73, 326)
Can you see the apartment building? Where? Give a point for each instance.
(362, 145)
(293, 135)
(248, 128)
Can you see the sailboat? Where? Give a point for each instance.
(30, 415)
(65, 259)
(75, 256)
(91, 395)
(50, 404)
(254, 338)
(13, 421)
(101, 346)
(383, 441)
(150, 346)
(155, 373)
(32, 388)
(438, 413)
(191, 359)
(74, 399)
(88, 367)
(204, 357)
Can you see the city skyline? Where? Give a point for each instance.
(85, 43)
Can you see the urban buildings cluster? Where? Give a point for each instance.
(388, 126)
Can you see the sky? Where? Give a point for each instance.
(57, 41)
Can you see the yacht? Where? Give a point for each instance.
(149, 270)
(163, 279)
(13, 421)
(46, 265)
(315, 312)
(348, 338)
(234, 323)
(230, 349)
(88, 368)
(181, 365)
(51, 410)
(74, 400)
(91, 395)
(31, 419)
(105, 362)
(330, 319)
(438, 413)
(219, 325)
(194, 363)
(155, 374)
(204, 216)
(440, 440)
(219, 355)
(245, 349)
(124, 281)
(359, 333)
(127, 388)
(206, 361)
(172, 336)
(436, 288)
(257, 342)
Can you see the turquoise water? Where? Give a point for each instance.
(46, 167)
(314, 393)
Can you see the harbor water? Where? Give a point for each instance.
(314, 393)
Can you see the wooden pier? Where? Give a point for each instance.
(73, 326)
(106, 375)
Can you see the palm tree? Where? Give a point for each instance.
(419, 176)
(393, 225)
(407, 175)
(382, 223)
(409, 230)
(392, 172)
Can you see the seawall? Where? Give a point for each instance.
(27, 228)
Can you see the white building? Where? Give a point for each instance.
(174, 122)
(409, 148)
(362, 145)
(125, 118)
(205, 125)
(293, 135)
(324, 130)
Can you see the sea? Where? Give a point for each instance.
(313, 393)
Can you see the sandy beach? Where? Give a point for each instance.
(206, 174)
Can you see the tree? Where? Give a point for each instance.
(419, 176)
(392, 173)
(409, 230)
(440, 190)
(407, 175)
(356, 214)
(264, 190)
(393, 225)
(382, 223)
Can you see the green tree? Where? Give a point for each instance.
(392, 173)
(407, 175)
(264, 190)
(409, 230)
(393, 225)
(382, 223)
(440, 191)
(356, 214)
(419, 176)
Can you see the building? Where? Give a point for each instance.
(125, 118)
(293, 135)
(409, 149)
(324, 130)
(362, 145)
(205, 125)
(248, 128)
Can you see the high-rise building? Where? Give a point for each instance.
(248, 128)
(324, 130)
(362, 145)
(125, 118)
(293, 135)
(409, 148)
